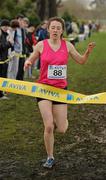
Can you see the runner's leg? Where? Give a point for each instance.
(60, 117)
(45, 107)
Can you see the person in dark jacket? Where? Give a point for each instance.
(5, 44)
(30, 43)
(41, 34)
(21, 34)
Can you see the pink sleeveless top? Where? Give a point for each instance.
(50, 58)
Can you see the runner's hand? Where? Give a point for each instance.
(27, 64)
(91, 46)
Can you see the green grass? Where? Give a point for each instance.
(21, 127)
(90, 78)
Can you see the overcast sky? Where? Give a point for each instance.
(86, 2)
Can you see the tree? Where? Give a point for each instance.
(52, 8)
(47, 8)
(41, 8)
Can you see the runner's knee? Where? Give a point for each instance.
(63, 128)
(49, 129)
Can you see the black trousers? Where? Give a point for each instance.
(3, 73)
(20, 74)
(38, 64)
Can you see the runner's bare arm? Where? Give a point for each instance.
(81, 59)
(34, 56)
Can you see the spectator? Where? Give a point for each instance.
(5, 43)
(86, 30)
(14, 62)
(21, 34)
(30, 42)
(68, 26)
(26, 22)
(41, 34)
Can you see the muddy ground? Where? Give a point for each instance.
(80, 153)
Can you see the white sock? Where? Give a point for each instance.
(50, 157)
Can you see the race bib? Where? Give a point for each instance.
(57, 72)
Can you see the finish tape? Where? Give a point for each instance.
(50, 92)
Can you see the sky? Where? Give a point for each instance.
(87, 2)
(84, 2)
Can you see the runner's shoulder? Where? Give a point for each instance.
(39, 46)
(69, 46)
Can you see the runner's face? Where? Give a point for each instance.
(55, 30)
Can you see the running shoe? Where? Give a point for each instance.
(50, 162)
